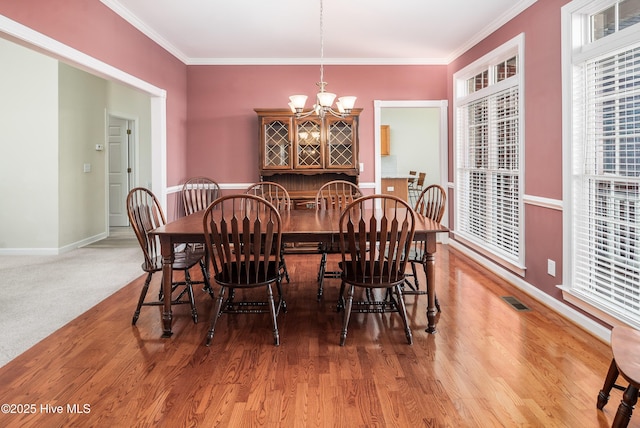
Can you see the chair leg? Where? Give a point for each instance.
(403, 314)
(609, 382)
(340, 305)
(229, 304)
(625, 409)
(274, 320)
(321, 271)
(369, 295)
(143, 294)
(415, 275)
(204, 266)
(282, 304)
(347, 315)
(192, 301)
(286, 272)
(283, 265)
(214, 315)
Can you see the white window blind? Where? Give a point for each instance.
(488, 172)
(606, 183)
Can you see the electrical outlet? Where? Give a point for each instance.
(390, 188)
(551, 267)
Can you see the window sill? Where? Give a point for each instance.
(595, 309)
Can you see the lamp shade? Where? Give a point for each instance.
(325, 99)
(347, 102)
(298, 101)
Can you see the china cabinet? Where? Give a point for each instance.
(309, 145)
(304, 153)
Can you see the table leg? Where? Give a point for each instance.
(429, 265)
(429, 270)
(625, 409)
(166, 248)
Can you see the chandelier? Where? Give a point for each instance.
(324, 99)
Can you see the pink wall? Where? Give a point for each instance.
(540, 24)
(95, 30)
(223, 128)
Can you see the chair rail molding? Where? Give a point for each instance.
(554, 204)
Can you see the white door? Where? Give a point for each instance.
(120, 144)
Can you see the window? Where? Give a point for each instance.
(604, 161)
(488, 154)
(615, 17)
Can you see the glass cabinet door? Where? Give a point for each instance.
(340, 143)
(308, 143)
(277, 143)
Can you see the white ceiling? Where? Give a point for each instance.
(288, 31)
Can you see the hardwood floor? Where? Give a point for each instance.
(488, 365)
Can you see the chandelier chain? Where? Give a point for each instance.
(324, 99)
(321, 43)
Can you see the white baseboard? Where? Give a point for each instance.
(562, 309)
(52, 251)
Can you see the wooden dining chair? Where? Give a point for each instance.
(243, 239)
(431, 204)
(417, 187)
(375, 237)
(335, 195)
(625, 346)
(278, 196)
(275, 193)
(145, 214)
(198, 193)
(411, 181)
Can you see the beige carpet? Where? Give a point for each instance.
(40, 294)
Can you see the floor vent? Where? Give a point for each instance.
(515, 303)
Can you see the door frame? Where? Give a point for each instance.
(378, 105)
(133, 155)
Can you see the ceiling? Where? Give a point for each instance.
(288, 31)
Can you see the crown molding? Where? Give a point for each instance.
(123, 12)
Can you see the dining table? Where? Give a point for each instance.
(298, 226)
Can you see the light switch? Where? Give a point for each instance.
(99, 147)
(551, 267)
(87, 167)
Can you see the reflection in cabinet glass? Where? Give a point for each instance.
(309, 154)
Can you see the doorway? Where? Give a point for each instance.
(120, 150)
(439, 167)
(32, 39)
